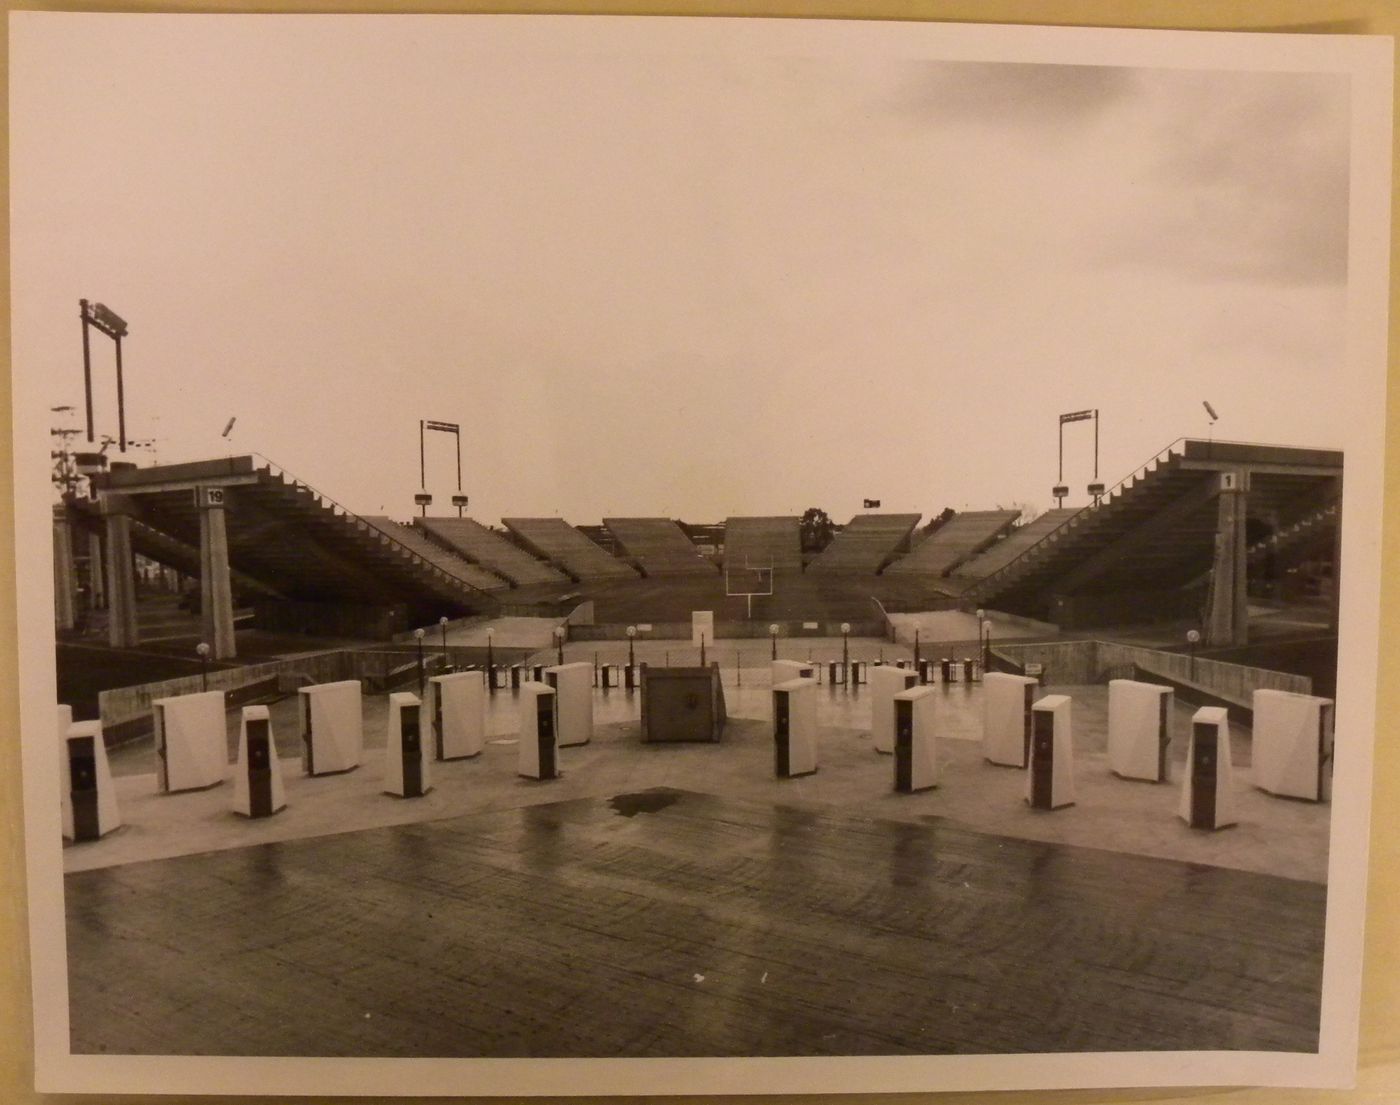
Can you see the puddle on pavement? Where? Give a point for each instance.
(646, 801)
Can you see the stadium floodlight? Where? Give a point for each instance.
(459, 500)
(106, 321)
(1096, 489)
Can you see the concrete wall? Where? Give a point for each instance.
(374, 623)
(1071, 662)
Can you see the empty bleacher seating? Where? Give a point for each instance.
(484, 546)
(867, 543)
(658, 546)
(434, 554)
(758, 542)
(568, 549)
(959, 538)
(1013, 544)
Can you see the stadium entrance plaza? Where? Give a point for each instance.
(677, 899)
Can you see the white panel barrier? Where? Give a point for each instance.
(258, 790)
(191, 741)
(406, 760)
(573, 702)
(785, 671)
(1006, 718)
(885, 683)
(1208, 790)
(915, 747)
(90, 800)
(1050, 780)
(538, 750)
(1292, 744)
(795, 728)
(457, 714)
(1139, 729)
(332, 727)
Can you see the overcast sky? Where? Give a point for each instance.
(691, 284)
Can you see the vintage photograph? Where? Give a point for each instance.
(718, 541)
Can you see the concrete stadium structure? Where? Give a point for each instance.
(677, 895)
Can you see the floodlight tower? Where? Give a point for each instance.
(1096, 488)
(423, 499)
(105, 321)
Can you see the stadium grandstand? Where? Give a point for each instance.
(482, 545)
(435, 554)
(1011, 546)
(572, 552)
(762, 542)
(658, 547)
(867, 543)
(961, 537)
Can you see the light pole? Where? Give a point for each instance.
(986, 632)
(559, 642)
(773, 633)
(442, 624)
(1193, 638)
(418, 637)
(916, 648)
(202, 650)
(631, 638)
(702, 650)
(459, 500)
(845, 652)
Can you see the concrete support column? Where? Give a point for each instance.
(121, 574)
(65, 575)
(216, 591)
(97, 573)
(1229, 607)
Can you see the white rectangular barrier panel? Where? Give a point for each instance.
(1292, 744)
(1050, 780)
(191, 741)
(406, 759)
(795, 728)
(332, 727)
(1208, 791)
(538, 749)
(1006, 718)
(1139, 729)
(885, 683)
(573, 702)
(89, 798)
(258, 790)
(457, 713)
(785, 671)
(915, 747)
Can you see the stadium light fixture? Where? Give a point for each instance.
(104, 320)
(459, 500)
